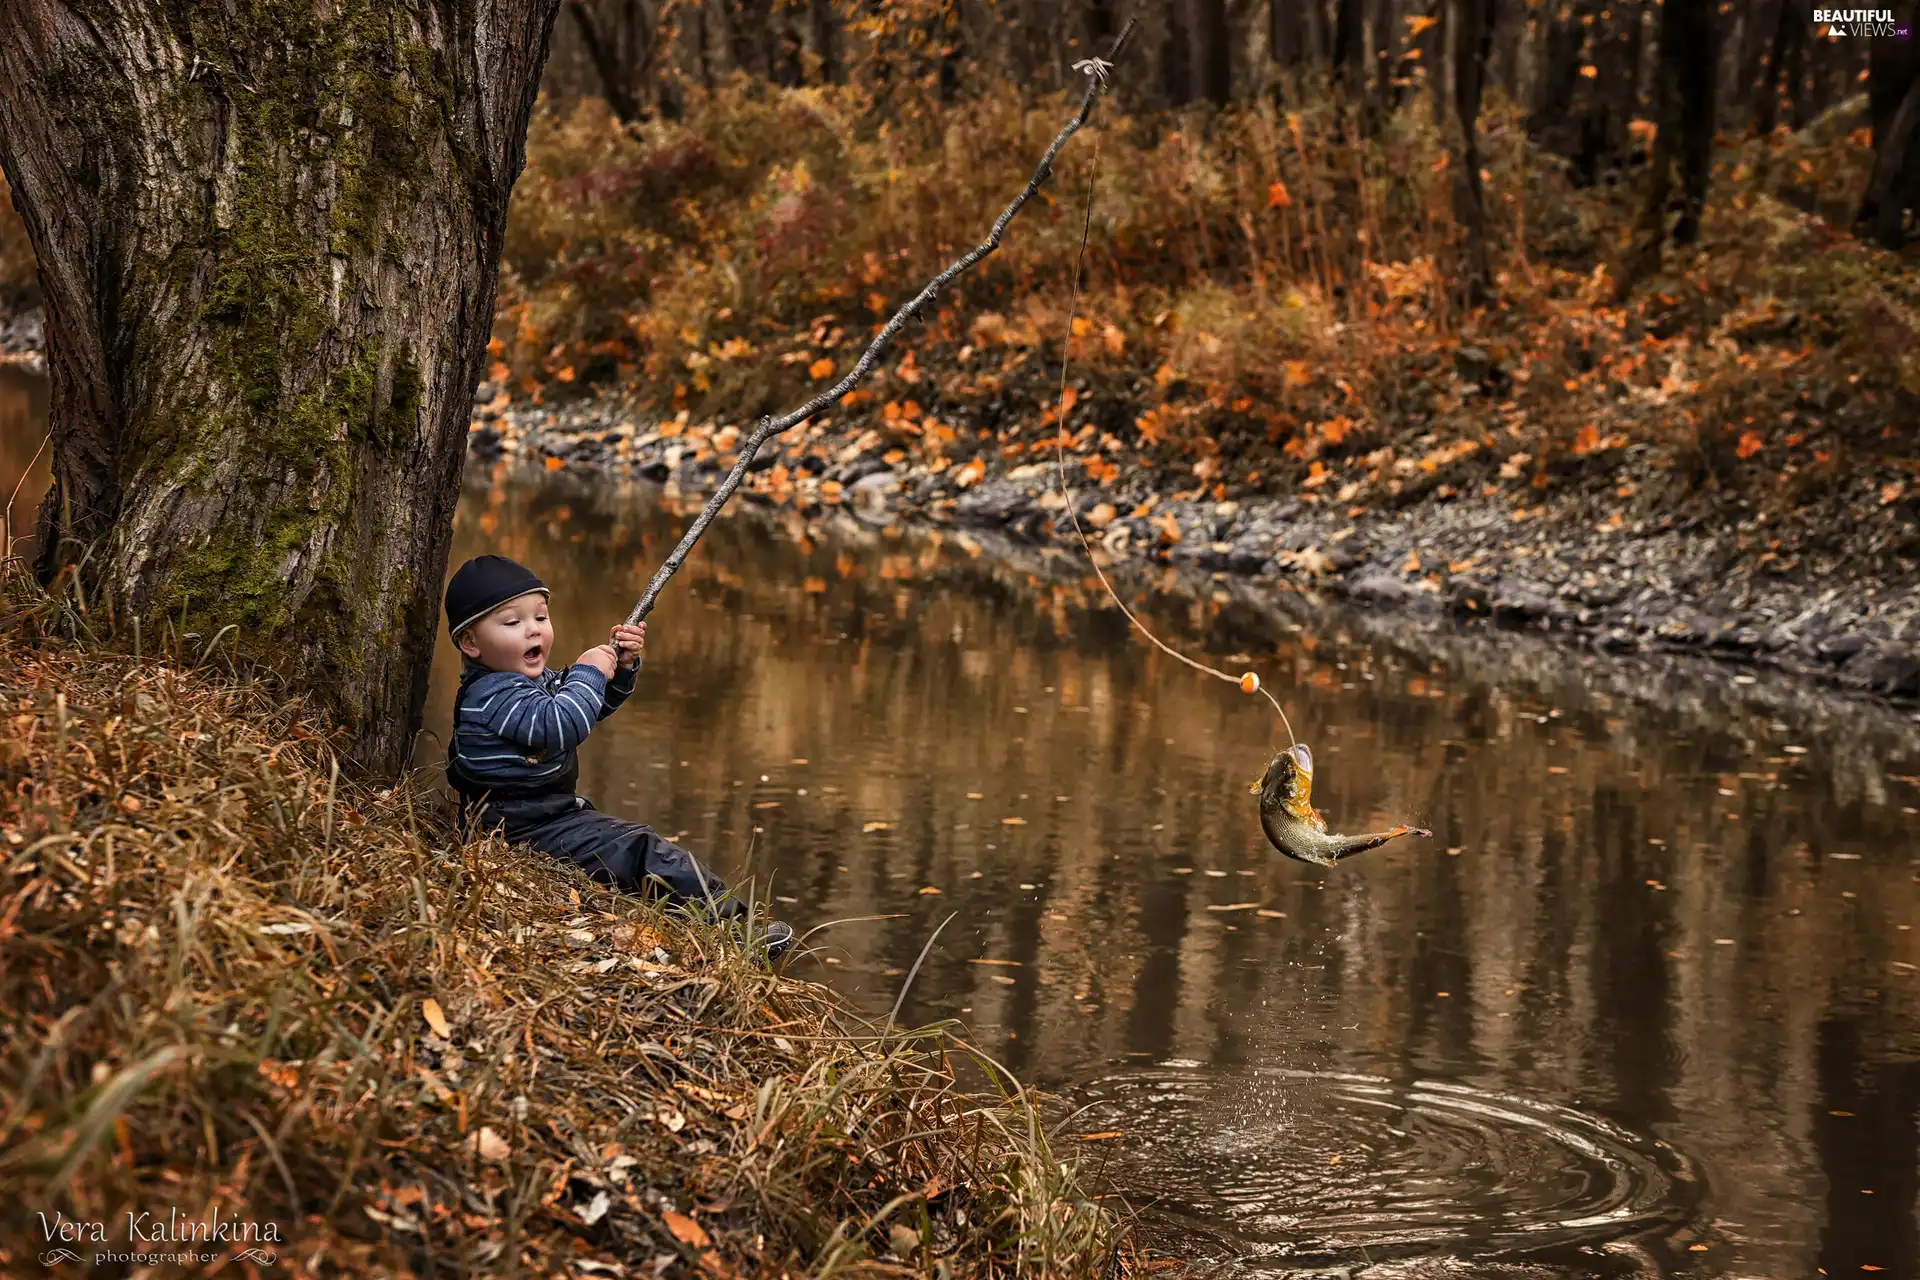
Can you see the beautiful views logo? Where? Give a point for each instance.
(1862, 22)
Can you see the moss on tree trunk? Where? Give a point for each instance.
(269, 237)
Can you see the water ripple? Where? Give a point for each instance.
(1276, 1166)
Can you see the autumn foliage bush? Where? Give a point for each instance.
(1277, 288)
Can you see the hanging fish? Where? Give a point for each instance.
(1295, 827)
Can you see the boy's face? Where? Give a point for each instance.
(517, 636)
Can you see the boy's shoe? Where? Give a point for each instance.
(776, 936)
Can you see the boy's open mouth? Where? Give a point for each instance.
(533, 652)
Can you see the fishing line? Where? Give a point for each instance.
(1248, 681)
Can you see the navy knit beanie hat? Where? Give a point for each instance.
(482, 585)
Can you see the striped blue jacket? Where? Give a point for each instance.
(516, 731)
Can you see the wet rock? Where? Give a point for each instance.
(654, 470)
(1521, 605)
(484, 443)
(1840, 648)
(1616, 640)
(1891, 668)
(1376, 586)
(1467, 599)
(1248, 555)
(1681, 628)
(1342, 556)
(859, 469)
(989, 503)
(875, 486)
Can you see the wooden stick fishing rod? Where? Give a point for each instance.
(768, 427)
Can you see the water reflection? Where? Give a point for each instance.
(1690, 931)
(1644, 912)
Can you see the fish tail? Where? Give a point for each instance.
(1347, 846)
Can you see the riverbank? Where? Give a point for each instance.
(236, 982)
(1827, 592)
(1271, 372)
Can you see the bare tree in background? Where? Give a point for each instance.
(1684, 118)
(1212, 51)
(1472, 23)
(619, 39)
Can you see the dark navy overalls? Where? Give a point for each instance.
(551, 817)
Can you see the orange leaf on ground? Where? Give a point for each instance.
(1013, 822)
(553, 463)
(1416, 23)
(1277, 195)
(1589, 72)
(814, 586)
(821, 368)
(686, 1230)
(970, 474)
(489, 1145)
(430, 1010)
(930, 889)
(1749, 445)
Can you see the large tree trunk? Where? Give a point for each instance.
(269, 241)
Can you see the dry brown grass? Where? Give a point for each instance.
(217, 958)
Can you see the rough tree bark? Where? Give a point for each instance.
(268, 237)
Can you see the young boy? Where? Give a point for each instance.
(516, 727)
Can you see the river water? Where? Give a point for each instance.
(1644, 1005)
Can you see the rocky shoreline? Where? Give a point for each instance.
(23, 340)
(1670, 586)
